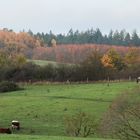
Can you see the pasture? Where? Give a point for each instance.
(42, 62)
(45, 62)
(29, 137)
(41, 108)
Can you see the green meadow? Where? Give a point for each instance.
(41, 108)
(43, 62)
(29, 137)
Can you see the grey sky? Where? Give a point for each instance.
(61, 15)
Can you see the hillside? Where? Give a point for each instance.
(41, 108)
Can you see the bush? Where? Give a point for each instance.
(123, 117)
(8, 86)
(80, 125)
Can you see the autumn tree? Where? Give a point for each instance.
(132, 57)
(112, 59)
(80, 125)
(92, 66)
(4, 59)
(17, 43)
(19, 60)
(7, 60)
(53, 43)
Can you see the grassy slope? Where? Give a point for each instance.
(41, 109)
(45, 62)
(42, 62)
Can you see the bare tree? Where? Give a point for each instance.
(80, 125)
(123, 118)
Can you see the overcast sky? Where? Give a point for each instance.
(61, 15)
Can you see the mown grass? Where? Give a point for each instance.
(41, 109)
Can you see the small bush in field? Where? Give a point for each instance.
(80, 125)
(6, 86)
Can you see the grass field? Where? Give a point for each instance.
(29, 137)
(43, 62)
(41, 108)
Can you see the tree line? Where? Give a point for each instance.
(91, 36)
(97, 66)
(33, 47)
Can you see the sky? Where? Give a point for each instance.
(60, 16)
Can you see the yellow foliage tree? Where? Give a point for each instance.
(107, 61)
(53, 43)
(20, 60)
(12, 59)
(112, 60)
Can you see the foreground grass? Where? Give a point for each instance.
(41, 109)
(28, 137)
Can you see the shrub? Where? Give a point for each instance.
(123, 117)
(80, 125)
(6, 86)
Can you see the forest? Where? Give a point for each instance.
(77, 62)
(91, 36)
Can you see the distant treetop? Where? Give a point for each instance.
(91, 36)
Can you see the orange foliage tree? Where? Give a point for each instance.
(15, 43)
(112, 59)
